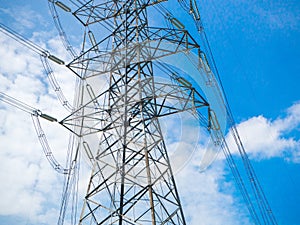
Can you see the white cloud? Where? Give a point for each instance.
(264, 138)
(30, 187)
(27, 179)
(206, 196)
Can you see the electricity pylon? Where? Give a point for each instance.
(132, 180)
(118, 102)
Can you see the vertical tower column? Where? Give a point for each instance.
(131, 180)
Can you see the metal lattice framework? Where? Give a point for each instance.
(131, 180)
(119, 99)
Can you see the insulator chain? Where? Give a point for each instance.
(46, 148)
(58, 25)
(55, 85)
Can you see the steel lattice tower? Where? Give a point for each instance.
(131, 180)
(129, 75)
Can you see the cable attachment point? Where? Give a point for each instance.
(62, 6)
(47, 117)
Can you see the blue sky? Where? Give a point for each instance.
(256, 46)
(257, 51)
